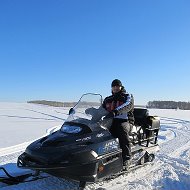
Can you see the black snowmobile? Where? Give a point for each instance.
(84, 150)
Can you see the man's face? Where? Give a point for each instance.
(116, 89)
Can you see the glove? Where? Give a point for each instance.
(112, 114)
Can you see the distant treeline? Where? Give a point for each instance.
(169, 105)
(62, 104)
(53, 103)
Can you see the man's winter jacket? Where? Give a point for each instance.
(121, 103)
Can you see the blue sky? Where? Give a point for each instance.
(60, 49)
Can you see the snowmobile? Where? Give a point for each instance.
(84, 150)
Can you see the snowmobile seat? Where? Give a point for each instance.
(153, 128)
(146, 127)
(140, 115)
(138, 130)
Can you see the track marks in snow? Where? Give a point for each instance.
(49, 183)
(45, 114)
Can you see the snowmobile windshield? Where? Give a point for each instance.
(87, 111)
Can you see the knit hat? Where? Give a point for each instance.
(116, 82)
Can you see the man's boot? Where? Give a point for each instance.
(126, 164)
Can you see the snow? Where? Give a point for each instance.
(21, 123)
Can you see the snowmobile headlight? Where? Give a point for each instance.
(71, 129)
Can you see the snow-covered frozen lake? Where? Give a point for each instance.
(21, 123)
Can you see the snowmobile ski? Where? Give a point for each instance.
(14, 180)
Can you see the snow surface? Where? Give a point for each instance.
(21, 123)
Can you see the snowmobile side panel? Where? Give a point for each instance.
(112, 163)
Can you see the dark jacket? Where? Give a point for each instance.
(122, 103)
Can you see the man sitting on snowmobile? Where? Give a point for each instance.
(120, 106)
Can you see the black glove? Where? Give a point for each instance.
(112, 114)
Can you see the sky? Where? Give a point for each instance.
(60, 49)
